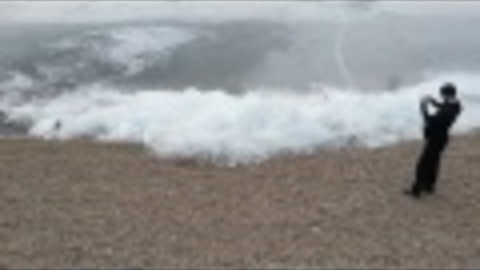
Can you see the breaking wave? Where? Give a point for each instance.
(241, 128)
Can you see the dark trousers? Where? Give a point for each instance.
(428, 165)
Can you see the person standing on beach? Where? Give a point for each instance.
(436, 134)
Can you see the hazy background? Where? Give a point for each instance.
(101, 11)
(381, 44)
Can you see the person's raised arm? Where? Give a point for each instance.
(434, 102)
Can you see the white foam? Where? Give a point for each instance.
(136, 45)
(243, 128)
(130, 47)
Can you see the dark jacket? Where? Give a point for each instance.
(437, 125)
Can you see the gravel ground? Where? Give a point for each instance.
(84, 205)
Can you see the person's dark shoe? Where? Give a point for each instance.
(415, 195)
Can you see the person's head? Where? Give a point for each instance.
(448, 91)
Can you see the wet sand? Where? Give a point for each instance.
(79, 204)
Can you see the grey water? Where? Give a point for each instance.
(382, 53)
